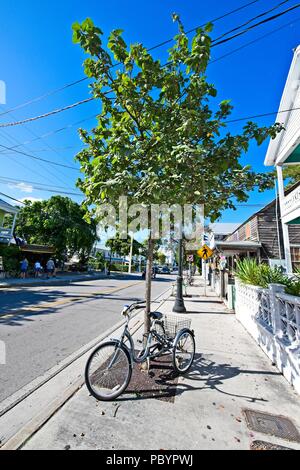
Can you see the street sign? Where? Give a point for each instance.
(205, 252)
(190, 259)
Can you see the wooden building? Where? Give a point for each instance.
(263, 230)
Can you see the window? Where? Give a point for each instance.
(295, 254)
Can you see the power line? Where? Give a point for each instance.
(68, 85)
(47, 190)
(215, 20)
(12, 198)
(41, 159)
(45, 95)
(69, 126)
(50, 113)
(253, 19)
(49, 173)
(254, 41)
(69, 147)
(18, 181)
(12, 157)
(59, 173)
(214, 44)
(56, 131)
(263, 115)
(267, 20)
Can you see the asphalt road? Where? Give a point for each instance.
(41, 326)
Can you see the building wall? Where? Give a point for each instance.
(268, 233)
(263, 228)
(247, 232)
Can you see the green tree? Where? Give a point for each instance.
(292, 173)
(160, 138)
(97, 261)
(58, 222)
(161, 257)
(122, 247)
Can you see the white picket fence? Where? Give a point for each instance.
(273, 319)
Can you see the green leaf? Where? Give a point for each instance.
(209, 27)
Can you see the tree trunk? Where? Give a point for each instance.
(148, 286)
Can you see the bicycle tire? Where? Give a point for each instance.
(88, 375)
(176, 362)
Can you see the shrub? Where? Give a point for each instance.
(248, 272)
(260, 275)
(294, 287)
(11, 259)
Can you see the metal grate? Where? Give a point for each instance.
(277, 426)
(173, 324)
(262, 445)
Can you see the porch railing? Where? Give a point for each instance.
(273, 318)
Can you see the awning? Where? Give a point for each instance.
(38, 249)
(238, 247)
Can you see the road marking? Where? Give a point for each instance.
(58, 303)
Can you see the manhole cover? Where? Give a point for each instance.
(277, 426)
(261, 445)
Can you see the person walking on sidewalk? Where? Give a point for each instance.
(37, 269)
(24, 268)
(50, 268)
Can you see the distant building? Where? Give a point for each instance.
(219, 232)
(8, 217)
(114, 258)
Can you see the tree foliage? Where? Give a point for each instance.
(122, 247)
(161, 258)
(57, 222)
(292, 174)
(161, 137)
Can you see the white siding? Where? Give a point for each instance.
(293, 124)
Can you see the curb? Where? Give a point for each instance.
(56, 282)
(21, 436)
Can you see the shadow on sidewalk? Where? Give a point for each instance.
(205, 374)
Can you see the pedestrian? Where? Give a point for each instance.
(50, 268)
(24, 268)
(210, 272)
(37, 269)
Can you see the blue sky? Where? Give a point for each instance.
(37, 55)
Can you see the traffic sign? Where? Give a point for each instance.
(190, 259)
(205, 252)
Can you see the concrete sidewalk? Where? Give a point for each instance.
(230, 374)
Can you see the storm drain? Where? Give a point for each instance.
(277, 426)
(262, 445)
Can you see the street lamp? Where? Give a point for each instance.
(179, 306)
